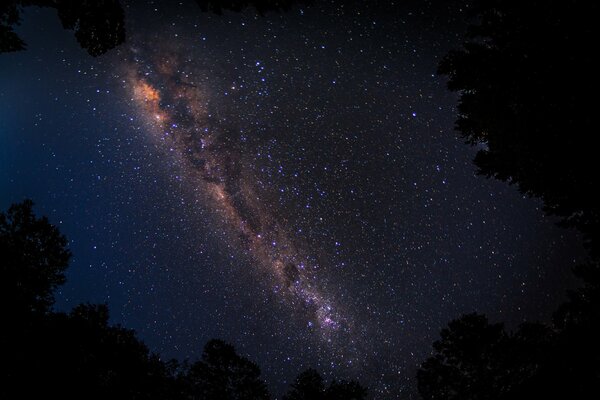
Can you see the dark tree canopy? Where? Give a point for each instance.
(224, 375)
(345, 390)
(309, 385)
(99, 25)
(80, 355)
(48, 354)
(9, 40)
(525, 77)
(41, 348)
(466, 361)
(33, 258)
(582, 308)
(478, 360)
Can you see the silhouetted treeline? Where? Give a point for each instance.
(310, 386)
(478, 360)
(525, 77)
(99, 25)
(48, 354)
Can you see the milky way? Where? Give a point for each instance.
(288, 183)
(177, 111)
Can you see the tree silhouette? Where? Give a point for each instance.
(79, 354)
(578, 320)
(224, 375)
(345, 390)
(55, 354)
(33, 258)
(99, 25)
(467, 361)
(581, 309)
(9, 17)
(478, 360)
(309, 385)
(525, 75)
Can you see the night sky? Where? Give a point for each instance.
(290, 183)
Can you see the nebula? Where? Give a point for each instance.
(175, 106)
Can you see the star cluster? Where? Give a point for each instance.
(212, 160)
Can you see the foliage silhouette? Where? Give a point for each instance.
(473, 360)
(578, 320)
(9, 40)
(34, 256)
(223, 375)
(524, 77)
(345, 390)
(41, 348)
(100, 25)
(309, 385)
(478, 360)
(79, 354)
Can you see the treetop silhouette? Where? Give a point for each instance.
(34, 256)
(80, 354)
(223, 375)
(475, 359)
(99, 25)
(524, 76)
(309, 385)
